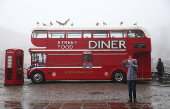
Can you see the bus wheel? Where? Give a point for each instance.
(37, 77)
(118, 76)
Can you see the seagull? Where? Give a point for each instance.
(97, 23)
(72, 24)
(37, 23)
(104, 23)
(135, 23)
(121, 23)
(51, 23)
(63, 23)
(44, 24)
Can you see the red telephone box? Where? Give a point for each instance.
(14, 72)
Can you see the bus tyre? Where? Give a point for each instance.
(119, 76)
(37, 77)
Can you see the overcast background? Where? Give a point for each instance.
(21, 16)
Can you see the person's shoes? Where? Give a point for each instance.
(130, 101)
(135, 101)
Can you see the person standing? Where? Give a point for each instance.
(160, 68)
(131, 77)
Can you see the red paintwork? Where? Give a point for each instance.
(109, 63)
(14, 76)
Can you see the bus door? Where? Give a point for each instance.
(87, 71)
(144, 65)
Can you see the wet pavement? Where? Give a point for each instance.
(84, 95)
(80, 105)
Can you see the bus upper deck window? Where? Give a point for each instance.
(56, 34)
(135, 33)
(39, 34)
(100, 34)
(73, 34)
(87, 34)
(118, 34)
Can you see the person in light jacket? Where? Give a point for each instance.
(131, 77)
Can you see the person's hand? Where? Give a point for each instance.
(124, 61)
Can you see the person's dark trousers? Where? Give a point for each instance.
(132, 88)
(160, 75)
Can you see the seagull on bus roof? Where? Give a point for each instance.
(135, 23)
(72, 24)
(104, 23)
(63, 23)
(37, 23)
(97, 23)
(51, 23)
(44, 24)
(121, 23)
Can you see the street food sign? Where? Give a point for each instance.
(92, 44)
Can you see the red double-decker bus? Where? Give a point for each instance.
(88, 53)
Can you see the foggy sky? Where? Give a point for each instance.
(154, 15)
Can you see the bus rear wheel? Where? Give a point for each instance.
(119, 76)
(37, 77)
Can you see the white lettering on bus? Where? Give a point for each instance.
(66, 44)
(111, 44)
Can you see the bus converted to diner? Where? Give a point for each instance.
(88, 52)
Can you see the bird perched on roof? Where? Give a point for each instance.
(51, 23)
(44, 24)
(104, 23)
(72, 24)
(97, 23)
(121, 23)
(37, 23)
(135, 23)
(63, 23)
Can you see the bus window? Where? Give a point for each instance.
(100, 34)
(38, 57)
(73, 34)
(39, 34)
(56, 34)
(87, 34)
(118, 34)
(87, 58)
(135, 33)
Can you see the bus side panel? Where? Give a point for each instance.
(108, 64)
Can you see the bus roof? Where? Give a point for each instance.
(133, 27)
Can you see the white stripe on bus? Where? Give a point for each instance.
(92, 54)
(81, 50)
(67, 67)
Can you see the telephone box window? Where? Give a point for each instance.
(9, 62)
(19, 62)
(87, 58)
